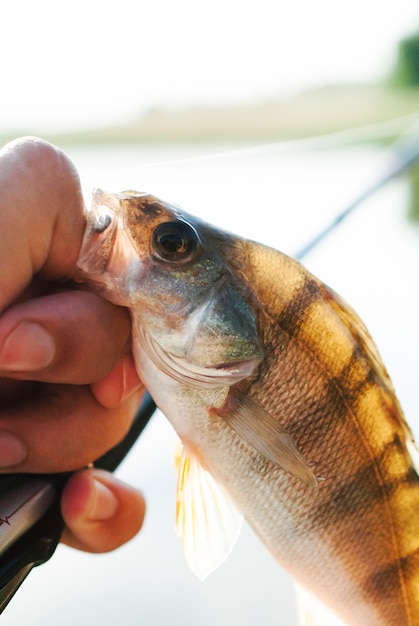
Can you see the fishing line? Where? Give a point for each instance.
(401, 155)
(333, 140)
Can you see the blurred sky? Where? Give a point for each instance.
(93, 62)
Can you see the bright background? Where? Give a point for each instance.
(85, 63)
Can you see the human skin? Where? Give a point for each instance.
(68, 386)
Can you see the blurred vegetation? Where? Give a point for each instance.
(406, 73)
(406, 76)
(314, 112)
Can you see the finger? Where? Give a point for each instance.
(61, 428)
(100, 511)
(119, 384)
(41, 204)
(74, 337)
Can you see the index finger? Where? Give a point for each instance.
(41, 215)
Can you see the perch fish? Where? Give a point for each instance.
(283, 406)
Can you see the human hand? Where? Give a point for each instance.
(68, 386)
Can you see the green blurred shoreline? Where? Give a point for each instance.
(315, 112)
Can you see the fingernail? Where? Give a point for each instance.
(130, 381)
(12, 449)
(29, 347)
(105, 503)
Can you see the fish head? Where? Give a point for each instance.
(190, 311)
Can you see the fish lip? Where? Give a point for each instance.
(111, 200)
(98, 241)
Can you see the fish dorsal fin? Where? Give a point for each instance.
(363, 339)
(358, 331)
(263, 432)
(206, 521)
(312, 613)
(413, 453)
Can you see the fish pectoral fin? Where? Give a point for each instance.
(206, 521)
(263, 432)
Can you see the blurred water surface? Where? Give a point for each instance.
(281, 198)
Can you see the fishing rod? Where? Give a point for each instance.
(30, 519)
(402, 154)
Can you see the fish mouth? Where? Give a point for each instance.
(100, 234)
(107, 252)
(185, 372)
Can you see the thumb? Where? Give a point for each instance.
(41, 204)
(100, 511)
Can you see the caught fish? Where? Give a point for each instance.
(281, 402)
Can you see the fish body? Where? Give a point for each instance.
(276, 389)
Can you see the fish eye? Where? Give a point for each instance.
(175, 242)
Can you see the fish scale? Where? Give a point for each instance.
(359, 484)
(308, 439)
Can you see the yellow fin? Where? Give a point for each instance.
(262, 431)
(205, 520)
